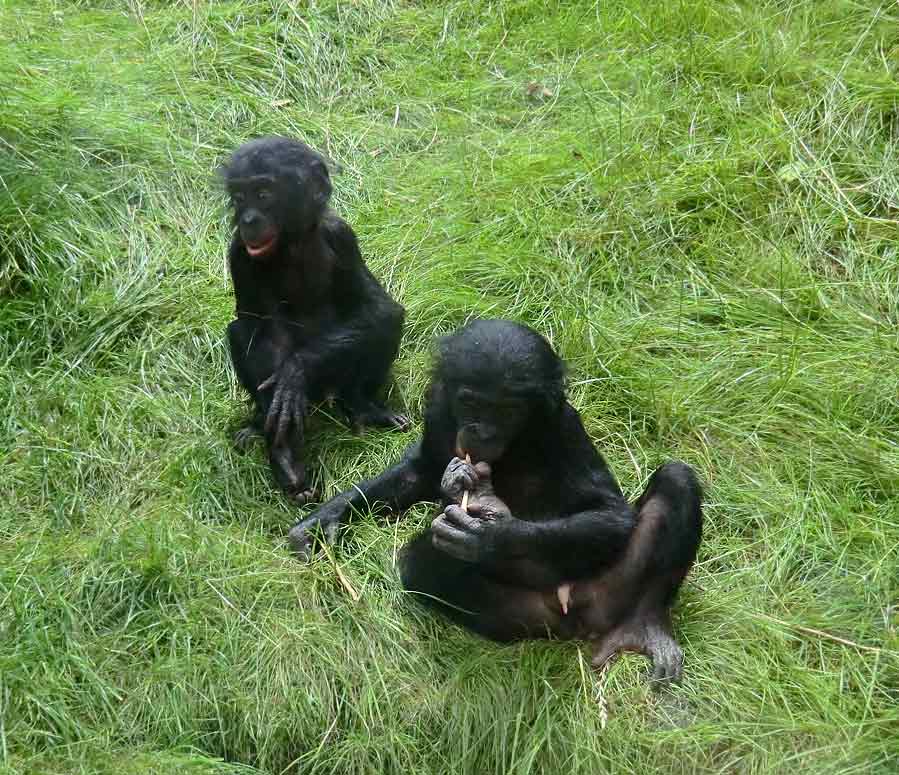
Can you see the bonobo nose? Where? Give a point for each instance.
(249, 218)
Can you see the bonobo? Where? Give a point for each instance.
(548, 547)
(312, 322)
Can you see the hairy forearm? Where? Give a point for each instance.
(547, 552)
(395, 490)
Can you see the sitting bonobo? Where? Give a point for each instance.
(312, 321)
(548, 546)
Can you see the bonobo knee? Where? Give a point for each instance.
(681, 531)
(676, 480)
(393, 319)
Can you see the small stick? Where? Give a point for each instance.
(466, 493)
(351, 591)
(344, 581)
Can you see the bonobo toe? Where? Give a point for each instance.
(246, 437)
(667, 664)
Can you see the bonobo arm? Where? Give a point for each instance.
(361, 303)
(363, 310)
(537, 554)
(589, 532)
(410, 481)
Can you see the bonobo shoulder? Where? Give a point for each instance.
(341, 238)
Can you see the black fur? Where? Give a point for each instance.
(312, 322)
(497, 392)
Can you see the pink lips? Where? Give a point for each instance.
(260, 248)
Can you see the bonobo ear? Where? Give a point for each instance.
(314, 174)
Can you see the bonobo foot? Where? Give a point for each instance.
(248, 434)
(644, 636)
(246, 437)
(373, 415)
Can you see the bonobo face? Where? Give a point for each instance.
(488, 421)
(279, 188)
(255, 203)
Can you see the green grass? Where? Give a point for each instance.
(702, 213)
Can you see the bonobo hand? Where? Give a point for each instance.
(477, 479)
(484, 501)
(321, 523)
(471, 538)
(458, 477)
(288, 401)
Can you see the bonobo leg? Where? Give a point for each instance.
(255, 358)
(496, 610)
(361, 400)
(627, 608)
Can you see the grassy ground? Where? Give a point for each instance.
(695, 200)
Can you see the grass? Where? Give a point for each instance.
(696, 201)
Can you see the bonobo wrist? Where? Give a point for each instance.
(518, 535)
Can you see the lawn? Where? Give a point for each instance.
(697, 201)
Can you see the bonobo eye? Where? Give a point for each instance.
(238, 197)
(264, 194)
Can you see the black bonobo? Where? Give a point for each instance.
(548, 546)
(312, 321)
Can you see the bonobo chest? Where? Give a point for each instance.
(530, 493)
(297, 289)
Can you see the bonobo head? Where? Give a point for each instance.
(499, 379)
(278, 187)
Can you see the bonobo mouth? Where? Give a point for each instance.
(262, 247)
(480, 451)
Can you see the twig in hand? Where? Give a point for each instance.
(466, 494)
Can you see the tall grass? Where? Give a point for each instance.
(696, 201)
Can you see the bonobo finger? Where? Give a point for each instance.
(267, 383)
(660, 671)
(300, 541)
(274, 412)
(283, 425)
(666, 671)
(464, 481)
(455, 515)
(483, 470)
(667, 666)
(446, 531)
(329, 530)
(298, 415)
(303, 534)
(458, 546)
(460, 473)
